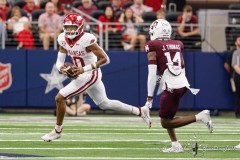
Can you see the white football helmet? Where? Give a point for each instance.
(73, 19)
(161, 29)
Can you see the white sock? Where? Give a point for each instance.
(58, 128)
(119, 106)
(126, 107)
(136, 110)
(198, 117)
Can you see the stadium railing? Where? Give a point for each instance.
(218, 31)
(106, 40)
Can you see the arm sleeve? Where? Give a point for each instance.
(152, 78)
(60, 60)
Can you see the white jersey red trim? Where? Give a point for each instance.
(76, 48)
(86, 85)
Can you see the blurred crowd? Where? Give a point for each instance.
(33, 22)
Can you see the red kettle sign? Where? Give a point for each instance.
(5, 76)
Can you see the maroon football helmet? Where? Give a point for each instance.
(73, 25)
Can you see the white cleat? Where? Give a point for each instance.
(237, 146)
(173, 149)
(206, 119)
(144, 111)
(52, 136)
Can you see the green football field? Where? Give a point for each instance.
(113, 137)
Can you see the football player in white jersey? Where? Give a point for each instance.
(88, 57)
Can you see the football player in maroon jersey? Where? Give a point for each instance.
(165, 58)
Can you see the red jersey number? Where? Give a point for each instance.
(77, 60)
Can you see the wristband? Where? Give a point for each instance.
(87, 68)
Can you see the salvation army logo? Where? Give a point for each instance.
(5, 76)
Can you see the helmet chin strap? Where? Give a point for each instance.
(71, 36)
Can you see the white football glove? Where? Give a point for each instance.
(149, 103)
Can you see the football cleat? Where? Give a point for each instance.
(52, 135)
(144, 113)
(174, 149)
(206, 119)
(237, 146)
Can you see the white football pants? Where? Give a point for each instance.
(92, 83)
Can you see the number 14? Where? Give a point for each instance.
(176, 58)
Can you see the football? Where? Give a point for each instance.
(69, 69)
(67, 64)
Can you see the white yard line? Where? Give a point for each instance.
(83, 148)
(120, 140)
(130, 158)
(122, 128)
(116, 158)
(127, 129)
(104, 120)
(80, 148)
(99, 124)
(179, 133)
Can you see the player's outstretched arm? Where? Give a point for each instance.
(152, 77)
(103, 58)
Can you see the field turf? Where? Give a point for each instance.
(113, 137)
